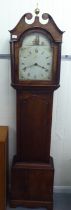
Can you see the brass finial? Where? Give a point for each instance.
(37, 10)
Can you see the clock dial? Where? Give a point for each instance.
(35, 57)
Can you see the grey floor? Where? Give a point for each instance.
(61, 202)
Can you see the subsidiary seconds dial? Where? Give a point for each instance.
(35, 57)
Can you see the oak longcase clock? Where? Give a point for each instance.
(35, 74)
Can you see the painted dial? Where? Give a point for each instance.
(35, 57)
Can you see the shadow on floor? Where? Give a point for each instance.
(61, 202)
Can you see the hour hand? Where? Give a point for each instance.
(24, 69)
(34, 64)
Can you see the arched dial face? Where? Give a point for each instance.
(35, 57)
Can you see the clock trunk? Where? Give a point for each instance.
(33, 127)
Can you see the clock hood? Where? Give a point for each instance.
(50, 27)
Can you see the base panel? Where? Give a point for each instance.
(32, 184)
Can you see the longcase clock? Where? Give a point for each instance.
(35, 74)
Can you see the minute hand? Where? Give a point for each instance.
(36, 64)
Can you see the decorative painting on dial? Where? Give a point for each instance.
(35, 57)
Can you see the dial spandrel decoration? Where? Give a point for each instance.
(35, 57)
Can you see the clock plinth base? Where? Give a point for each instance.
(32, 184)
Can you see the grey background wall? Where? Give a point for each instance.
(10, 13)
